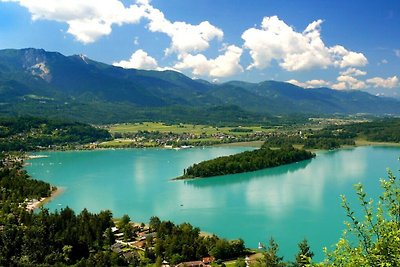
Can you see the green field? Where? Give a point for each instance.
(116, 143)
(181, 128)
(159, 134)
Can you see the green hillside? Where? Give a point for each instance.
(40, 83)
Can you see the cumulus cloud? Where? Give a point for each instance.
(310, 84)
(139, 60)
(295, 51)
(87, 20)
(222, 66)
(353, 72)
(339, 86)
(298, 83)
(348, 82)
(91, 19)
(317, 83)
(343, 58)
(390, 82)
(397, 52)
(185, 38)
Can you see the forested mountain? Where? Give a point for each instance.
(36, 82)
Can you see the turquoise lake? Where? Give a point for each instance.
(289, 203)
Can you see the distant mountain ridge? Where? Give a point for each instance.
(38, 82)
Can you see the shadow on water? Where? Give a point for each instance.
(246, 177)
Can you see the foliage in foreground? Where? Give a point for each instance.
(376, 232)
(371, 238)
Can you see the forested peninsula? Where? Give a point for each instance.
(29, 133)
(247, 161)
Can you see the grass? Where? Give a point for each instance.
(116, 143)
(230, 263)
(256, 144)
(363, 142)
(181, 128)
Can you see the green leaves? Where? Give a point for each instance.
(377, 232)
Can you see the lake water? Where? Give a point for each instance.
(290, 203)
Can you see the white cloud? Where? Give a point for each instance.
(185, 38)
(317, 83)
(91, 19)
(343, 58)
(339, 86)
(297, 83)
(222, 66)
(310, 83)
(293, 50)
(344, 81)
(87, 20)
(348, 82)
(353, 72)
(390, 82)
(139, 60)
(397, 52)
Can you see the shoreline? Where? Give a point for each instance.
(256, 144)
(35, 204)
(358, 143)
(241, 144)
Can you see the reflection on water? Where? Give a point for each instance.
(281, 189)
(289, 202)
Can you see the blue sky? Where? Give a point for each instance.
(338, 44)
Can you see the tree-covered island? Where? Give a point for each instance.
(247, 161)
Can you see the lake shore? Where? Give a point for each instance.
(212, 197)
(362, 142)
(37, 203)
(256, 144)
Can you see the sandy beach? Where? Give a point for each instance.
(37, 203)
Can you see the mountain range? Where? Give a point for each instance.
(41, 83)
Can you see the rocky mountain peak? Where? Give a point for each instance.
(34, 61)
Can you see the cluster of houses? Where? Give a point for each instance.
(170, 139)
